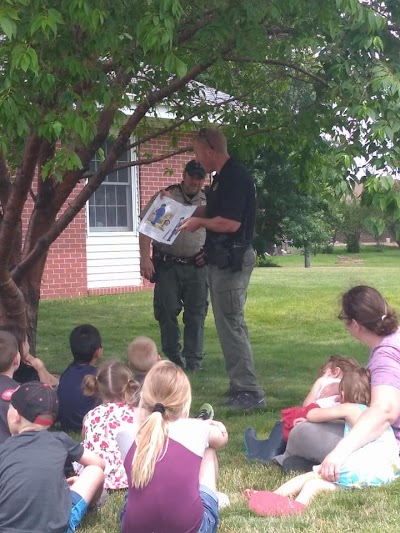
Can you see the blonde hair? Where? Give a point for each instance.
(356, 386)
(212, 138)
(113, 382)
(165, 396)
(142, 354)
(345, 364)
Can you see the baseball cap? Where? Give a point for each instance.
(36, 402)
(193, 168)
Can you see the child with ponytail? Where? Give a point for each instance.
(171, 465)
(117, 391)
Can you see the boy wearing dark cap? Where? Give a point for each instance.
(180, 280)
(35, 497)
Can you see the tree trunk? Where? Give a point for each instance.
(307, 260)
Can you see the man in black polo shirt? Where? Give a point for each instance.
(229, 218)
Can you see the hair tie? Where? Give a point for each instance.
(159, 408)
(383, 317)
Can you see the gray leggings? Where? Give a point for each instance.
(312, 441)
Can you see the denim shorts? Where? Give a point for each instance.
(78, 511)
(210, 504)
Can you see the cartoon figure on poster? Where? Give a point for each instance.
(169, 236)
(157, 214)
(165, 214)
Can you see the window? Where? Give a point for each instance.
(110, 207)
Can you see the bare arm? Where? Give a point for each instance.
(344, 411)
(44, 375)
(90, 458)
(146, 264)
(384, 410)
(217, 224)
(218, 436)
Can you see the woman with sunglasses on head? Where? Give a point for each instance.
(369, 319)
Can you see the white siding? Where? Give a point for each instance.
(113, 260)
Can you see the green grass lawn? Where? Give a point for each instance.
(291, 314)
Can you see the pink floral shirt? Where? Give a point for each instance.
(100, 427)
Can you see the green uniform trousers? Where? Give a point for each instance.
(181, 286)
(228, 291)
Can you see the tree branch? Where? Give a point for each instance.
(4, 180)
(15, 204)
(283, 64)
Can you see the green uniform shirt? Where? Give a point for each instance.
(186, 244)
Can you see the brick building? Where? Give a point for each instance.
(99, 252)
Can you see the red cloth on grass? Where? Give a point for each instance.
(289, 415)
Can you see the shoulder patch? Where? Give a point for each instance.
(171, 187)
(6, 396)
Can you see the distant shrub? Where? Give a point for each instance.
(265, 261)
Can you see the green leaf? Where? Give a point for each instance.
(181, 68)
(8, 26)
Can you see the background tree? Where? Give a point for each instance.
(73, 72)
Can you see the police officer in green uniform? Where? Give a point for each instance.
(180, 280)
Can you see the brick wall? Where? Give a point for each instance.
(65, 273)
(158, 175)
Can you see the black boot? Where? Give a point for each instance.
(264, 450)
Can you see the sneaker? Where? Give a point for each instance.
(223, 500)
(206, 412)
(246, 401)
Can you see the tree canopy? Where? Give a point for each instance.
(76, 71)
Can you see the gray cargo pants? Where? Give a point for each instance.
(228, 291)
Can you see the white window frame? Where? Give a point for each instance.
(134, 212)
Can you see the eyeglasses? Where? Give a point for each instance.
(343, 317)
(203, 135)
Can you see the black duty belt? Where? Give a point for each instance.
(169, 259)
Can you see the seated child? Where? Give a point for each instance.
(31, 367)
(118, 392)
(34, 494)
(9, 362)
(85, 342)
(377, 463)
(323, 393)
(142, 355)
(162, 497)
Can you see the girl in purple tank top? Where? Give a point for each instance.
(172, 465)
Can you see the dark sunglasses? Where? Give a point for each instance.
(203, 135)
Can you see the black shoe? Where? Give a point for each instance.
(296, 463)
(193, 366)
(246, 401)
(178, 361)
(264, 450)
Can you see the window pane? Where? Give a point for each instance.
(100, 196)
(111, 216)
(121, 195)
(122, 216)
(100, 217)
(110, 196)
